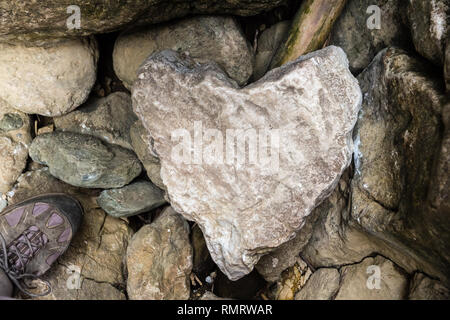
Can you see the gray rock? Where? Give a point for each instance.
(268, 43)
(312, 103)
(97, 250)
(429, 27)
(398, 190)
(358, 281)
(108, 118)
(286, 255)
(30, 21)
(203, 37)
(321, 285)
(143, 150)
(11, 122)
(360, 43)
(133, 199)
(85, 161)
(425, 288)
(15, 138)
(335, 240)
(49, 81)
(159, 260)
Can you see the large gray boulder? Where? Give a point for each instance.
(39, 22)
(246, 208)
(50, 81)
(85, 161)
(400, 186)
(203, 37)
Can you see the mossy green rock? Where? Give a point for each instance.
(85, 161)
(42, 21)
(136, 198)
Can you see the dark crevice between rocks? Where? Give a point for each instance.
(138, 221)
(372, 198)
(253, 26)
(249, 287)
(107, 80)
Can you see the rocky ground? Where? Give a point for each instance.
(357, 205)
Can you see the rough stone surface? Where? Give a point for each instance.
(429, 27)
(286, 255)
(15, 138)
(96, 251)
(203, 37)
(335, 241)
(39, 22)
(447, 67)
(108, 118)
(159, 259)
(292, 280)
(360, 43)
(133, 199)
(312, 102)
(400, 187)
(425, 288)
(268, 43)
(85, 161)
(356, 283)
(49, 81)
(321, 285)
(143, 150)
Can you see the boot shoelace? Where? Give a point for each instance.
(13, 260)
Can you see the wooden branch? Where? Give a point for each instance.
(310, 29)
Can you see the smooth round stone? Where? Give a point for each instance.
(85, 161)
(136, 198)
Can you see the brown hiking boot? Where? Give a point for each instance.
(34, 233)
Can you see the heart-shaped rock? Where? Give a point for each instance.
(304, 112)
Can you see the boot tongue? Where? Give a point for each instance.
(25, 247)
